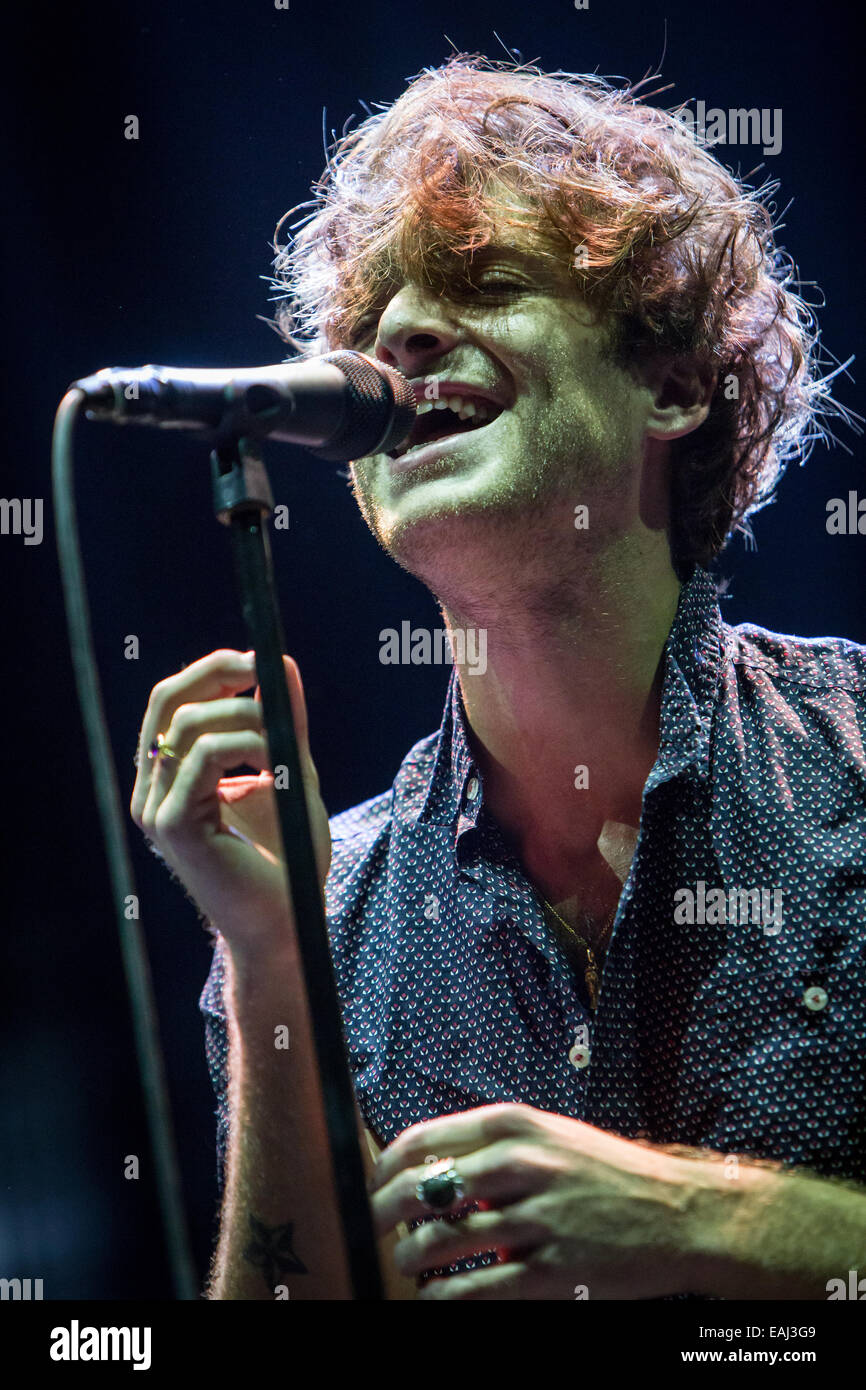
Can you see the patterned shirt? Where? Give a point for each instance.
(732, 1011)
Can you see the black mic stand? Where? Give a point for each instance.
(243, 501)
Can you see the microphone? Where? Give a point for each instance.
(340, 407)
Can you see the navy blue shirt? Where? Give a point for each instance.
(732, 1012)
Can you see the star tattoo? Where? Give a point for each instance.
(271, 1251)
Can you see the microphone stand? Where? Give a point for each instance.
(243, 501)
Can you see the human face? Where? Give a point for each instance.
(568, 424)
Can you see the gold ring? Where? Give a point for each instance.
(161, 749)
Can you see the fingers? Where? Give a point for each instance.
(300, 720)
(500, 1174)
(456, 1134)
(222, 673)
(191, 799)
(189, 723)
(221, 834)
(500, 1282)
(437, 1244)
(299, 715)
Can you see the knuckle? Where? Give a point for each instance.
(522, 1156)
(167, 822)
(510, 1118)
(433, 1237)
(521, 1115)
(223, 657)
(181, 720)
(207, 746)
(162, 689)
(413, 1139)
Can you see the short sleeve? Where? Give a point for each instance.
(217, 1051)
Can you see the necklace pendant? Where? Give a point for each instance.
(590, 975)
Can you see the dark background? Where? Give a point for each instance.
(129, 252)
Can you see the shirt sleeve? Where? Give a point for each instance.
(217, 1052)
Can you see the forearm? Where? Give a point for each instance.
(783, 1234)
(280, 1234)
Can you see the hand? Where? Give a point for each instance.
(571, 1211)
(220, 834)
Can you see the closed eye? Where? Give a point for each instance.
(490, 287)
(501, 284)
(493, 289)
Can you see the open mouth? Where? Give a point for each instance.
(446, 416)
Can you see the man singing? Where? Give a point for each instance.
(600, 947)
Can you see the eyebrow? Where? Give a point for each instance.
(549, 271)
(543, 266)
(533, 260)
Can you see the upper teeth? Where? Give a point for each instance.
(464, 408)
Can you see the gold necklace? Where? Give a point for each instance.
(591, 972)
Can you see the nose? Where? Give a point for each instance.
(414, 329)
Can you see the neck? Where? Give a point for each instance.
(564, 719)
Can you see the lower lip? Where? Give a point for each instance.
(407, 462)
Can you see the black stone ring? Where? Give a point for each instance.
(441, 1190)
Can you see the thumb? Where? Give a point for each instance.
(298, 703)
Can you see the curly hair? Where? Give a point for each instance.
(673, 251)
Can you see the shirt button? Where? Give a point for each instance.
(815, 998)
(579, 1056)
(473, 787)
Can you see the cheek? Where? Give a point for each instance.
(559, 367)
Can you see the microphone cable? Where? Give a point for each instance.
(145, 1021)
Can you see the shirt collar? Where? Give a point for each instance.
(454, 787)
(693, 668)
(693, 662)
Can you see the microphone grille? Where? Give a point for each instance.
(381, 409)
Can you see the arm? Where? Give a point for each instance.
(593, 1215)
(279, 1228)
(273, 1112)
(219, 835)
(778, 1234)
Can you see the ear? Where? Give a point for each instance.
(682, 392)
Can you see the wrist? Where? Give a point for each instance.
(259, 975)
(756, 1236)
(721, 1257)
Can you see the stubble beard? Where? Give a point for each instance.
(516, 546)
